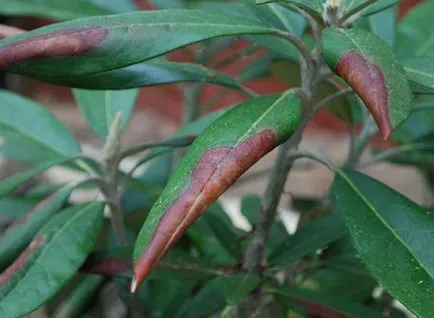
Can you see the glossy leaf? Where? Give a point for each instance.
(34, 128)
(154, 72)
(415, 32)
(100, 107)
(337, 305)
(18, 235)
(93, 45)
(239, 286)
(307, 240)
(391, 234)
(368, 65)
(217, 158)
(420, 71)
(50, 260)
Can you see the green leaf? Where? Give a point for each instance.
(372, 8)
(77, 300)
(420, 71)
(335, 304)
(308, 240)
(12, 208)
(369, 66)
(50, 260)
(314, 5)
(18, 235)
(415, 32)
(421, 122)
(239, 286)
(391, 234)
(34, 128)
(90, 45)
(8, 184)
(154, 72)
(206, 302)
(216, 159)
(100, 107)
(383, 24)
(54, 9)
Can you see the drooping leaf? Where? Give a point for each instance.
(288, 295)
(154, 72)
(310, 238)
(98, 44)
(30, 126)
(415, 32)
(420, 72)
(392, 235)
(217, 158)
(18, 235)
(238, 286)
(50, 260)
(100, 107)
(369, 66)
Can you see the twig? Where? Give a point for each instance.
(328, 99)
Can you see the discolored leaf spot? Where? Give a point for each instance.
(217, 169)
(68, 42)
(368, 80)
(370, 67)
(22, 261)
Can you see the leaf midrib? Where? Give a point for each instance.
(382, 220)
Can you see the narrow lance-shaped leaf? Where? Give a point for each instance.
(217, 158)
(154, 72)
(50, 260)
(34, 128)
(393, 236)
(98, 44)
(369, 66)
(420, 73)
(20, 232)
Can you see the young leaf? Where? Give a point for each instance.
(217, 158)
(308, 239)
(100, 107)
(50, 260)
(392, 236)
(368, 65)
(239, 286)
(420, 71)
(34, 128)
(154, 72)
(18, 235)
(334, 304)
(87, 46)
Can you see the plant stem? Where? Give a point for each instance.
(368, 130)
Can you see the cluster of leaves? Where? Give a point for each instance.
(353, 58)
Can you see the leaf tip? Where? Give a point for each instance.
(134, 285)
